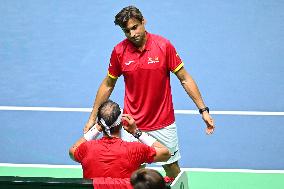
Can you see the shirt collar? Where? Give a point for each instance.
(132, 48)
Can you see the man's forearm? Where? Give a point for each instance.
(192, 90)
(103, 95)
(190, 87)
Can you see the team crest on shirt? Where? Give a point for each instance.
(153, 60)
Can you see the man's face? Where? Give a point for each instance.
(135, 32)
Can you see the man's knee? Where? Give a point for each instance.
(171, 165)
(172, 169)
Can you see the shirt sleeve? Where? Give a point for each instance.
(114, 70)
(81, 152)
(142, 153)
(174, 62)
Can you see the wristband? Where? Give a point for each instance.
(203, 110)
(147, 139)
(92, 134)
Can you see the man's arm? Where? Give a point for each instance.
(162, 152)
(103, 94)
(75, 146)
(92, 134)
(192, 90)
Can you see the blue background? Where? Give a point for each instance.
(55, 54)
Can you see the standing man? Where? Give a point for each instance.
(145, 60)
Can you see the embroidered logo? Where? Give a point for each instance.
(174, 153)
(129, 62)
(153, 60)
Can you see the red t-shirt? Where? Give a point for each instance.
(112, 157)
(146, 74)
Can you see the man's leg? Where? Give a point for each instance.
(172, 170)
(168, 137)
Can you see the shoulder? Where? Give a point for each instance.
(121, 46)
(81, 151)
(137, 146)
(159, 39)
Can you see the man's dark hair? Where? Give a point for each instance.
(147, 179)
(127, 13)
(109, 112)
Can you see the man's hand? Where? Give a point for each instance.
(130, 125)
(209, 123)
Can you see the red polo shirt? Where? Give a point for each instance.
(112, 157)
(146, 74)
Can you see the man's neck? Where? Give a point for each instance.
(142, 47)
(113, 135)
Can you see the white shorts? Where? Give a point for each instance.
(167, 136)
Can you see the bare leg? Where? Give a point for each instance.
(172, 170)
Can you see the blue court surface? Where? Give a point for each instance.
(54, 55)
